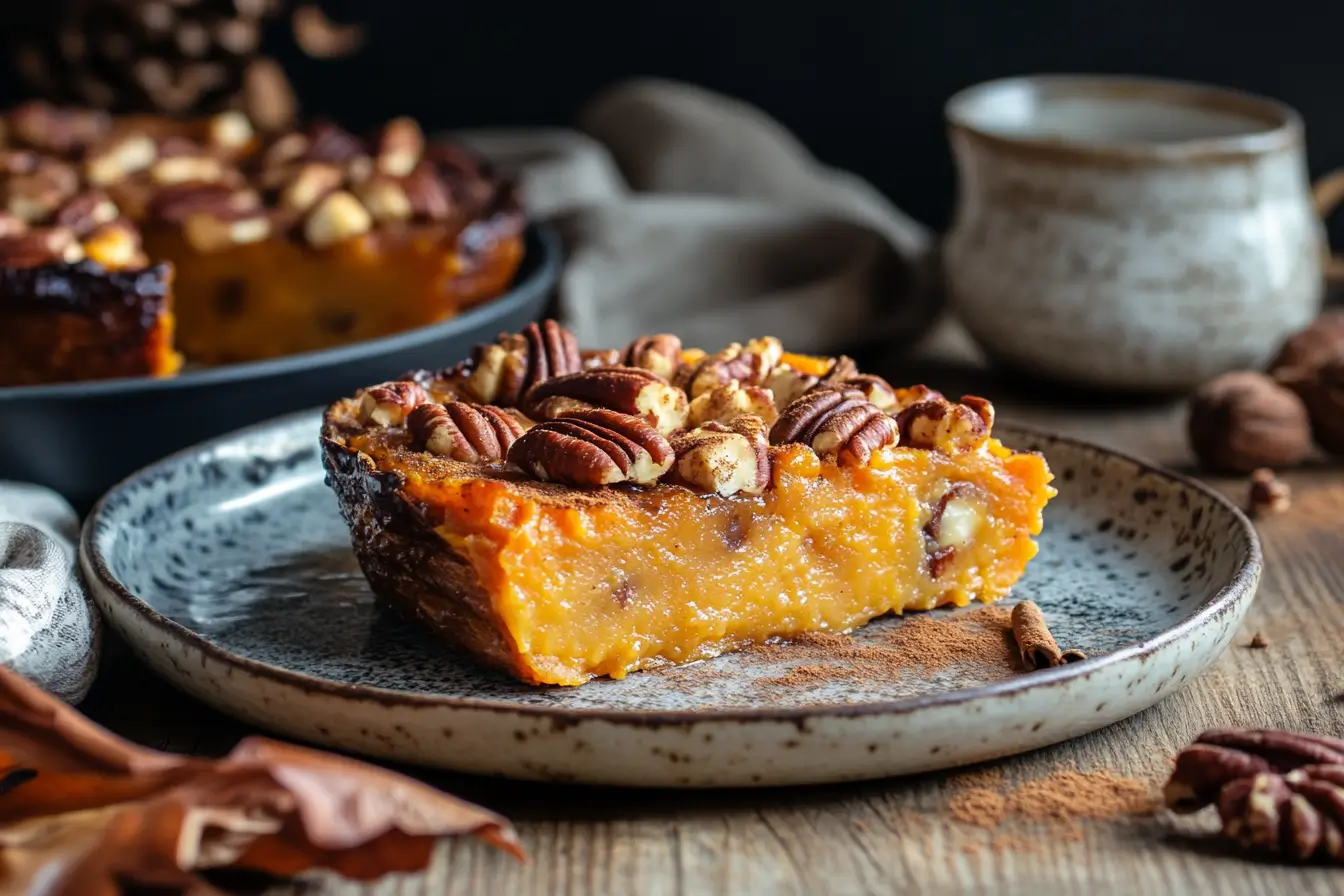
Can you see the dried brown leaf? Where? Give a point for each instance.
(85, 812)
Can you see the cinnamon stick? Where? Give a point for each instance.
(1038, 646)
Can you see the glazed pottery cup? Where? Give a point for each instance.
(1131, 233)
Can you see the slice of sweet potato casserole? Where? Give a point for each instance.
(561, 515)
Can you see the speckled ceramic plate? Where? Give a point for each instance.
(227, 569)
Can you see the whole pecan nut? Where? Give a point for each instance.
(1277, 791)
(724, 459)
(504, 371)
(843, 425)
(387, 404)
(463, 431)
(1243, 420)
(629, 390)
(592, 448)
(660, 353)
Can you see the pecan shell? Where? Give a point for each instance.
(593, 448)
(463, 431)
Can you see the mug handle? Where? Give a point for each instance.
(1327, 193)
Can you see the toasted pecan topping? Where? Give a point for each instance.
(843, 425)
(41, 245)
(629, 390)
(749, 364)
(726, 403)
(400, 147)
(338, 217)
(601, 357)
(592, 448)
(941, 425)
(463, 431)
(389, 403)
(874, 388)
(214, 232)
(724, 459)
(502, 372)
(85, 212)
(660, 354)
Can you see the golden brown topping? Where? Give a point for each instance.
(309, 184)
(877, 390)
(724, 460)
(209, 232)
(1244, 420)
(33, 197)
(230, 130)
(42, 245)
(750, 365)
(389, 403)
(845, 426)
(182, 169)
(385, 199)
(119, 157)
(1268, 494)
(726, 403)
(338, 217)
(502, 372)
(115, 245)
(660, 354)
(400, 147)
(465, 432)
(85, 212)
(628, 390)
(934, 424)
(591, 448)
(600, 357)
(1277, 792)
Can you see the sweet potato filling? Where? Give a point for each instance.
(275, 297)
(672, 576)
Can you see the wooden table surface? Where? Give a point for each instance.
(896, 836)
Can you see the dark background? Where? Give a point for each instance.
(862, 83)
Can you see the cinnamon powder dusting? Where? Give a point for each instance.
(980, 638)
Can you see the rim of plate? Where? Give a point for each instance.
(1240, 587)
(519, 293)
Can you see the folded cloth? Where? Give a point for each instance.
(50, 632)
(688, 211)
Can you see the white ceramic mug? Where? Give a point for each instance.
(1131, 233)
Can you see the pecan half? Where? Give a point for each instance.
(389, 403)
(1277, 791)
(463, 431)
(724, 459)
(726, 403)
(400, 147)
(877, 390)
(749, 364)
(86, 212)
(843, 425)
(937, 424)
(503, 371)
(41, 245)
(660, 354)
(592, 448)
(629, 390)
(602, 357)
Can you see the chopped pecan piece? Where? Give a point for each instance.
(1276, 791)
(602, 357)
(877, 390)
(400, 147)
(1268, 494)
(592, 448)
(726, 403)
(389, 403)
(339, 216)
(463, 431)
(843, 425)
(660, 354)
(724, 459)
(936, 424)
(503, 371)
(749, 364)
(629, 390)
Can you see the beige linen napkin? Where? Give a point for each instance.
(686, 211)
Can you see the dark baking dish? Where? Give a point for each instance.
(82, 438)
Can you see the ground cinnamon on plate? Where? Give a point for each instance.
(980, 638)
